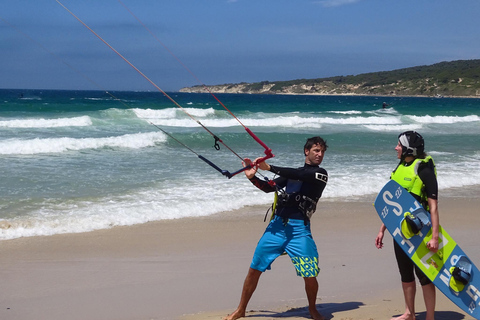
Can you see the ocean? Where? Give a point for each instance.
(77, 161)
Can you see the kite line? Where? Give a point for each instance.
(268, 151)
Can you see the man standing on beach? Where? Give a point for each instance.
(289, 230)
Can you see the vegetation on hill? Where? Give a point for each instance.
(454, 78)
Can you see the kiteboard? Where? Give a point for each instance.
(450, 269)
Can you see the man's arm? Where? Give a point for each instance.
(262, 184)
(318, 176)
(259, 183)
(432, 245)
(431, 189)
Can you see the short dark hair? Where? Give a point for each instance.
(313, 141)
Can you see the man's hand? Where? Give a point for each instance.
(262, 165)
(432, 245)
(250, 173)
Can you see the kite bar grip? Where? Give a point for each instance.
(240, 170)
(224, 172)
(229, 175)
(269, 155)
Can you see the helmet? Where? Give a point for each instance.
(412, 143)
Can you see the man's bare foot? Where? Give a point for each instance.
(405, 316)
(235, 315)
(316, 315)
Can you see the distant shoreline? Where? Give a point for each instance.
(187, 90)
(445, 79)
(335, 94)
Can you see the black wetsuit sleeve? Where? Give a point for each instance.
(318, 176)
(429, 180)
(262, 184)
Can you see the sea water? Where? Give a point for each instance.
(76, 161)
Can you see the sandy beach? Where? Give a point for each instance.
(193, 269)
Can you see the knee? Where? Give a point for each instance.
(254, 273)
(424, 281)
(311, 281)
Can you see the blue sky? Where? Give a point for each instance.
(226, 41)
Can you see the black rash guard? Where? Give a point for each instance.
(429, 181)
(426, 173)
(309, 181)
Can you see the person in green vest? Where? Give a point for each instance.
(415, 172)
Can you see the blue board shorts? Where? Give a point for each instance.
(294, 238)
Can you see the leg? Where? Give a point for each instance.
(409, 290)
(311, 288)
(269, 247)
(406, 269)
(249, 287)
(429, 297)
(302, 250)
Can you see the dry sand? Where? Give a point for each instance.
(193, 269)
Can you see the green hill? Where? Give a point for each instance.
(453, 79)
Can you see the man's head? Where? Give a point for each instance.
(314, 150)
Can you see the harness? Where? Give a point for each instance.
(305, 204)
(292, 197)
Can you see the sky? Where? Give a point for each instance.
(42, 46)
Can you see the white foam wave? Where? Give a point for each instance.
(59, 145)
(293, 121)
(346, 112)
(440, 153)
(30, 98)
(204, 198)
(47, 123)
(155, 114)
(396, 128)
(195, 198)
(170, 113)
(199, 198)
(288, 121)
(387, 111)
(444, 119)
(469, 176)
(97, 99)
(174, 117)
(361, 120)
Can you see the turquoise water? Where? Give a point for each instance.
(75, 161)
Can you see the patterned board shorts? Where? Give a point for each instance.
(294, 238)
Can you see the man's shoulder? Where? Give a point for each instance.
(426, 165)
(319, 169)
(321, 174)
(313, 168)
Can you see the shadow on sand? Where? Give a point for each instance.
(442, 315)
(326, 309)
